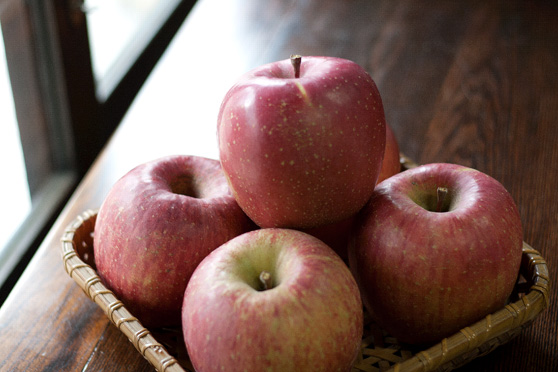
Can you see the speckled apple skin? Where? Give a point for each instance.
(302, 152)
(425, 275)
(311, 320)
(148, 240)
(337, 234)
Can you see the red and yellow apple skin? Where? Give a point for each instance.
(155, 226)
(309, 318)
(336, 235)
(425, 274)
(302, 152)
(391, 164)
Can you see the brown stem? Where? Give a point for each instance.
(296, 60)
(441, 194)
(265, 279)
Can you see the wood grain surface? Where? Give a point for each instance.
(474, 83)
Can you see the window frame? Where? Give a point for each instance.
(43, 128)
(65, 117)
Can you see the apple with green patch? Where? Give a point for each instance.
(272, 300)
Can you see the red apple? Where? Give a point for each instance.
(336, 235)
(302, 145)
(437, 248)
(391, 164)
(272, 300)
(155, 226)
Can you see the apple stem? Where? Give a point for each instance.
(296, 60)
(265, 279)
(441, 193)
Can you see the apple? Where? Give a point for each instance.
(391, 164)
(437, 248)
(272, 300)
(301, 141)
(337, 234)
(156, 225)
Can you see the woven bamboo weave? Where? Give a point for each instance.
(164, 348)
(77, 253)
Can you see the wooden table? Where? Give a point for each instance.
(474, 83)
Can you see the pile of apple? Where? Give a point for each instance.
(266, 257)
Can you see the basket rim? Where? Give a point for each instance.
(90, 282)
(521, 312)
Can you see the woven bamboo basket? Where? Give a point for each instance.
(165, 350)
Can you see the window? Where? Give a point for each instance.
(119, 31)
(63, 91)
(14, 191)
(36, 154)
